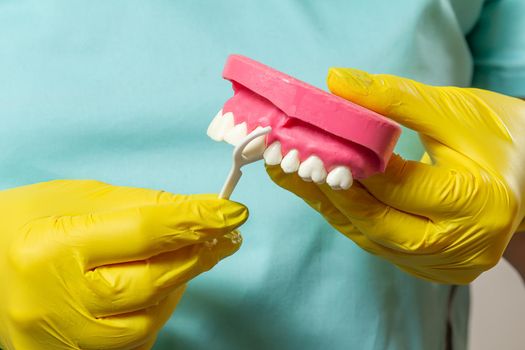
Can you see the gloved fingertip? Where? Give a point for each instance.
(218, 214)
(236, 208)
(345, 81)
(234, 214)
(213, 251)
(229, 244)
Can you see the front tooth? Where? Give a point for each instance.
(272, 155)
(224, 124)
(312, 169)
(340, 178)
(235, 135)
(290, 162)
(256, 146)
(215, 126)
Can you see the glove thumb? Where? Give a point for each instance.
(402, 100)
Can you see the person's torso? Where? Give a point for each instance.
(123, 92)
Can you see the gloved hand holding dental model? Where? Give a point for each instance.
(90, 265)
(449, 217)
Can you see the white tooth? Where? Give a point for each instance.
(224, 124)
(272, 155)
(290, 162)
(235, 135)
(256, 146)
(305, 171)
(214, 127)
(340, 178)
(312, 169)
(319, 175)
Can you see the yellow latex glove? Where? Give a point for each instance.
(87, 265)
(447, 221)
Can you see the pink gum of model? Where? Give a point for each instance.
(308, 119)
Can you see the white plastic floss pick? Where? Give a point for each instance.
(240, 160)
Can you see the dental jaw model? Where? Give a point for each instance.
(319, 135)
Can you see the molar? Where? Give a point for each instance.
(340, 178)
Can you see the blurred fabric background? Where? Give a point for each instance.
(498, 310)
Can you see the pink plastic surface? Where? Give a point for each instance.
(308, 119)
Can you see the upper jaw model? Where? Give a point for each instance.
(321, 136)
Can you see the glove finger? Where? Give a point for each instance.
(127, 287)
(442, 155)
(148, 345)
(134, 329)
(317, 199)
(410, 103)
(413, 187)
(444, 274)
(336, 212)
(91, 196)
(385, 225)
(310, 193)
(419, 265)
(142, 232)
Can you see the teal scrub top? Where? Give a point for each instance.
(123, 91)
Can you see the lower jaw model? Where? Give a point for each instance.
(320, 136)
